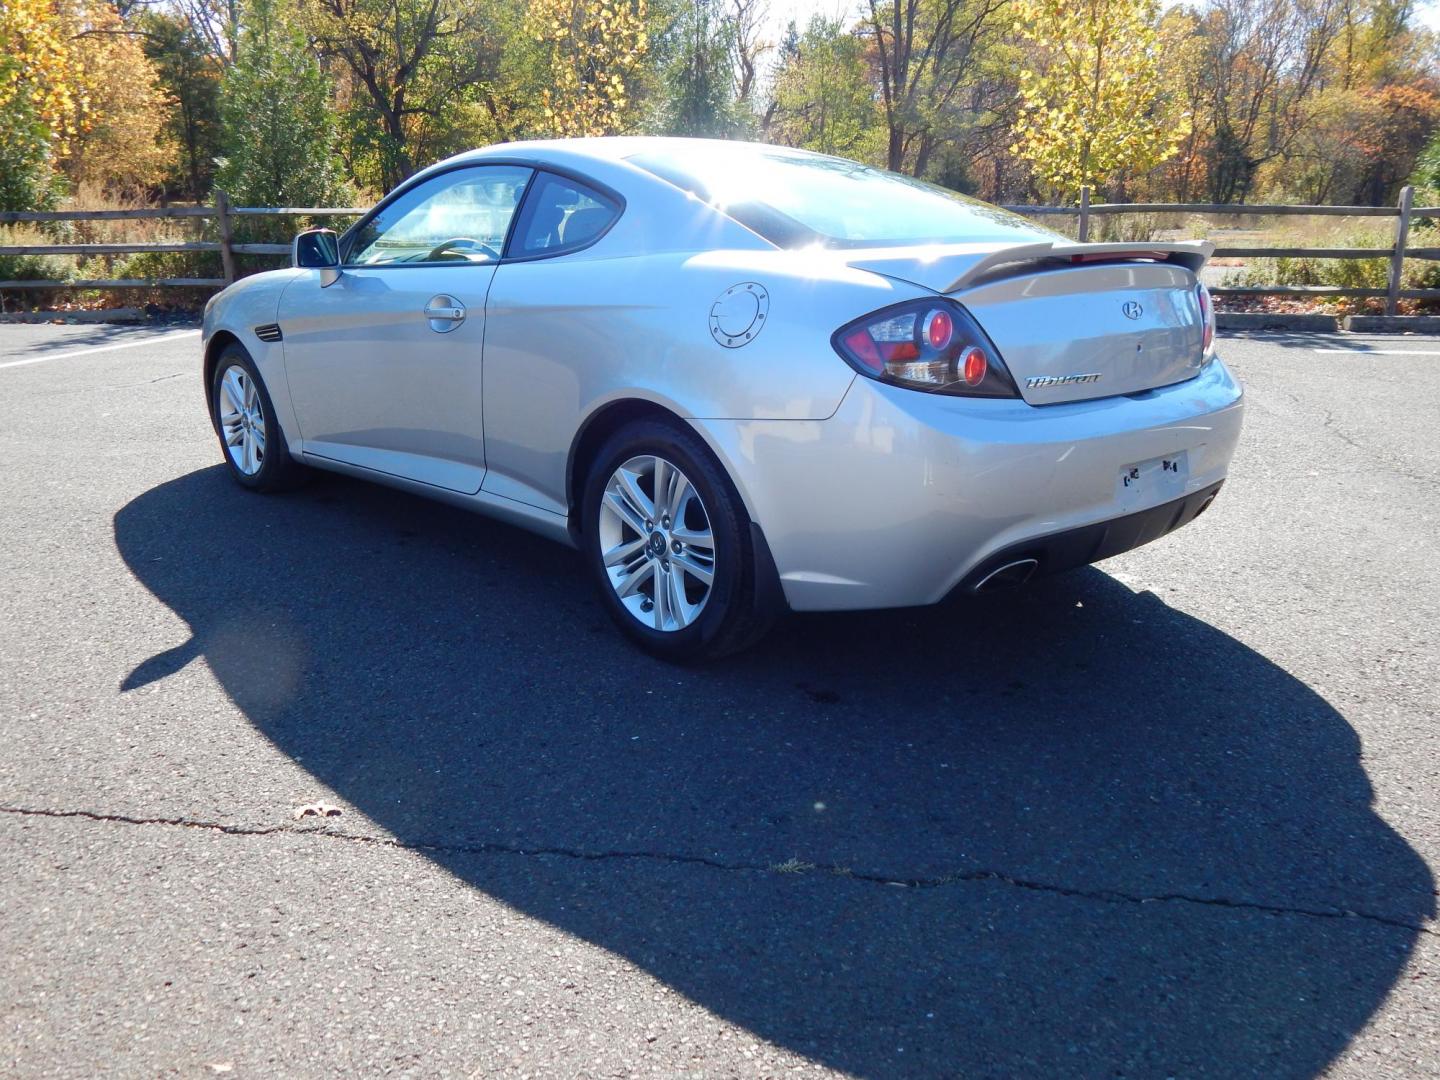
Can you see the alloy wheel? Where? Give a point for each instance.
(657, 544)
(242, 420)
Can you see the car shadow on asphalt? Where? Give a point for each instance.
(1069, 830)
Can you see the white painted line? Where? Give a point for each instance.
(1381, 352)
(100, 348)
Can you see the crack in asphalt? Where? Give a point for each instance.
(1303, 411)
(69, 390)
(794, 867)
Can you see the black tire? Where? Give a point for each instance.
(278, 471)
(732, 617)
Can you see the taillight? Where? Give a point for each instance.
(926, 345)
(1207, 319)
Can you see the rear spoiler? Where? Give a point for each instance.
(1191, 254)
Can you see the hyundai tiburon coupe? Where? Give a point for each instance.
(739, 378)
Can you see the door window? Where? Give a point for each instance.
(460, 216)
(561, 215)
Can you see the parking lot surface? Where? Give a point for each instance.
(1174, 815)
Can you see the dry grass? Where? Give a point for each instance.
(793, 865)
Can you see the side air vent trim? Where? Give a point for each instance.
(269, 332)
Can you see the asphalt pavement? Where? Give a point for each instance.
(1172, 816)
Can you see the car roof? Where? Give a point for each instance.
(618, 148)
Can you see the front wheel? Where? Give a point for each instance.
(669, 544)
(250, 436)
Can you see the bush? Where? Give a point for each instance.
(32, 267)
(1344, 273)
(1125, 228)
(169, 264)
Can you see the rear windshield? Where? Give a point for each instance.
(798, 199)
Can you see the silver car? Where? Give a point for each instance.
(739, 378)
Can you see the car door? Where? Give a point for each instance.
(551, 319)
(384, 365)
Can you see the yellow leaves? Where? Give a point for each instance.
(92, 86)
(38, 37)
(1105, 108)
(596, 50)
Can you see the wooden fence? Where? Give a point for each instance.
(224, 215)
(1404, 212)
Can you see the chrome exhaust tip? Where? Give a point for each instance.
(1007, 576)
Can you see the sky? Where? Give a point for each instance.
(782, 11)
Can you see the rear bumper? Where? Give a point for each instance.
(899, 496)
(1086, 544)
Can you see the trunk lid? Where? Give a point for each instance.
(1093, 331)
(1073, 321)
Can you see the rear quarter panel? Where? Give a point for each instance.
(569, 336)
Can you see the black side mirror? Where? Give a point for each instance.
(318, 249)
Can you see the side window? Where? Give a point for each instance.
(459, 216)
(561, 215)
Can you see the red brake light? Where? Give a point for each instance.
(939, 329)
(927, 345)
(1207, 318)
(974, 366)
(863, 348)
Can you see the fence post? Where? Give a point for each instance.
(1397, 260)
(1084, 213)
(227, 235)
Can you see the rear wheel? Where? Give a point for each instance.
(669, 544)
(250, 436)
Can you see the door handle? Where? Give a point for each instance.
(444, 313)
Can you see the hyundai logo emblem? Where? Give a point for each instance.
(1132, 310)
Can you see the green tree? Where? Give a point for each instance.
(190, 75)
(698, 91)
(415, 68)
(1094, 103)
(277, 125)
(927, 56)
(823, 98)
(27, 180)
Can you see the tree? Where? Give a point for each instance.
(190, 75)
(34, 101)
(1094, 103)
(413, 64)
(823, 99)
(216, 23)
(27, 181)
(748, 18)
(116, 135)
(1261, 62)
(79, 75)
(925, 54)
(277, 125)
(595, 51)
(698, 78)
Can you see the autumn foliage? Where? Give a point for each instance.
(1093, 102)
(1013, 100)
(595, 53)
(75, 71)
